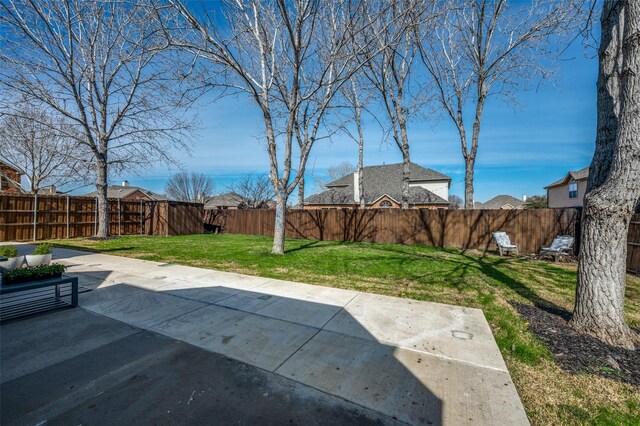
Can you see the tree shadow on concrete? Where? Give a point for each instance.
(284, 335)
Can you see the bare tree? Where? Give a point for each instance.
(484, 47)
(191, 187)
(105, 67)
(340, 170)
(256, 190)
(357, 94)
(612, 190)
(35, 142)
(455, 202)
(391, 74)
(290, 58)
(536, 202)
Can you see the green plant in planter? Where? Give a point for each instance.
(44, 248)
(8, 251)
(33, 273)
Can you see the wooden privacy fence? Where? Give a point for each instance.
(465, 229)
(43, 217)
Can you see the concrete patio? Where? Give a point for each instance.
(328, 355)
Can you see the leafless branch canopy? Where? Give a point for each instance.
(289, 57)
(340, 170)
(256, 190)
(37, 143)
(191, 187)
(490, 47)
(104, 66)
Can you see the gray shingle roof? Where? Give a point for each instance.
(118, 191)
(230, 199)
(378, 175)
(577, 175)
(498, 201)
(379, 181)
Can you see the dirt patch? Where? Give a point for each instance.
(579, 353)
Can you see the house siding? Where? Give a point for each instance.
(440, 188)
(558, 196)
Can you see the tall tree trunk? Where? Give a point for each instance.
(406, 159)
(363, 203)
(301, 192)
(613, 189)
(469, 168)
(280, 222)
(470, 156)
(405, 175)
(101, 190)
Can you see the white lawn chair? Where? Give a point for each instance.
(504, 243)
(560, 247)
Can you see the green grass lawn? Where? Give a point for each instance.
(493, 284)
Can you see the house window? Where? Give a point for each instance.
(573, 189)
(386, 203)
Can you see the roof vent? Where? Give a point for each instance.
(125, 183)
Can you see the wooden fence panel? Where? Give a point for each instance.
(43, 217)
(465, 229)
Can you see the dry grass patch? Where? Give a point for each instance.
(553, 397)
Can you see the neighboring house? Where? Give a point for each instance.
(127, 192)
(500, 202)
(383, 189)
(10, 179)
(230, 200)
(233, 201)
(49, 190)
(568, 191)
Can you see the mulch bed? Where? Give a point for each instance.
(579, 353)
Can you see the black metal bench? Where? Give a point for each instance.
(36, 296)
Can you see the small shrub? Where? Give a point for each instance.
(44, 248)
(8, 251)
(33, 273)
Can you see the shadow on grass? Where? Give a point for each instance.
(465, 265)
(306, 246)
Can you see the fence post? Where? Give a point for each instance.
(67, 217)
(95, 219)
(119, 223)
(35, 215)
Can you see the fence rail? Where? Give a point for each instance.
(43, 217)
(464, 229)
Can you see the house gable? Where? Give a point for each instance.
(384, 201)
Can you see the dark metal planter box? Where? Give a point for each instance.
(32, 297)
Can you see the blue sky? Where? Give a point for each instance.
(522, 147)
